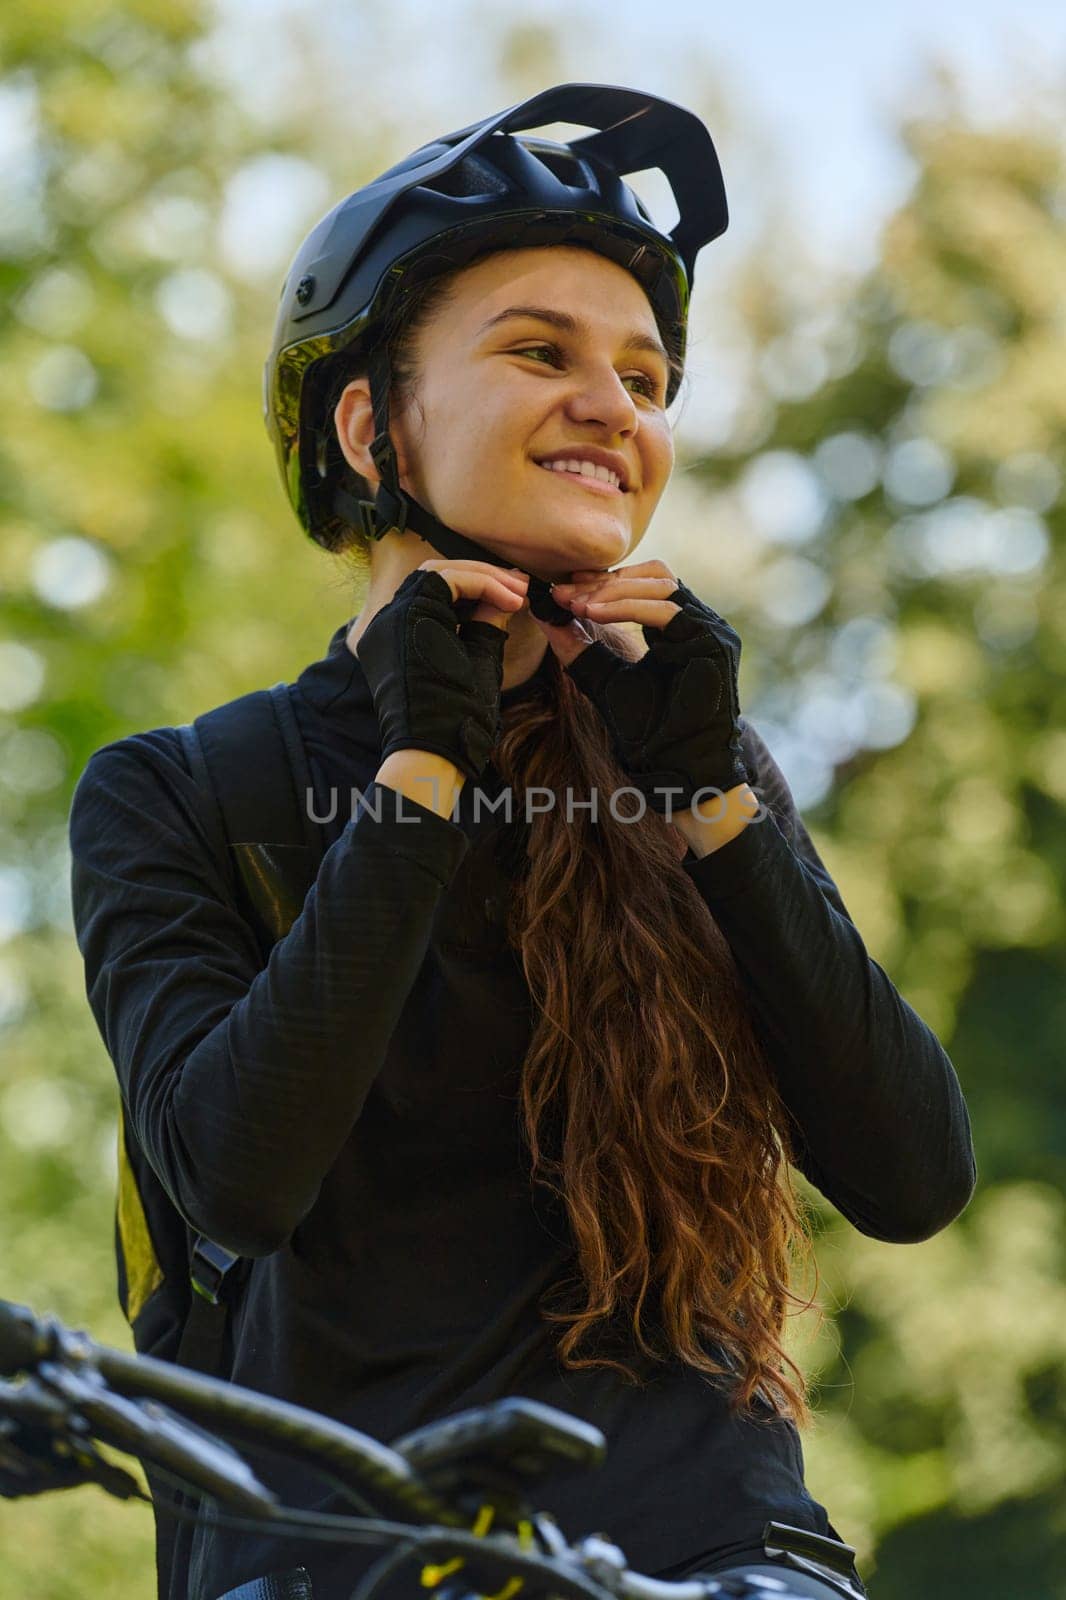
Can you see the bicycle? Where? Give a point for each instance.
(462, 1484)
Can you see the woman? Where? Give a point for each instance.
(510, 1111)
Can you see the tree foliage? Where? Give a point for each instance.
(899, 459)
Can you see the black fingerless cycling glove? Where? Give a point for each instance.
(672, 715)
(434, 689)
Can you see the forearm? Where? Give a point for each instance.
(874, 1096)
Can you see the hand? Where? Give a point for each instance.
(672, 715)
(435, 679)
(35, 1460)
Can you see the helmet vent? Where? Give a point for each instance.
(563, 166)
(470, 177)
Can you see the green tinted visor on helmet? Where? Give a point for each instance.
(478, 189)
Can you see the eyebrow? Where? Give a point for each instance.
(635, 340)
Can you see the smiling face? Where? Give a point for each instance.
(583, 381)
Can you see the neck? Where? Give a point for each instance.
(525, 647)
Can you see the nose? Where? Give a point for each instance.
(601, 396)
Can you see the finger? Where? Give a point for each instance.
(640, 588)
(470, 578)
(652, 613)
(509, 597)
(490, 569)
(638, 569)
(498, 588)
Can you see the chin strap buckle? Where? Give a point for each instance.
(376, 517)
(367, 512)
(391, 509)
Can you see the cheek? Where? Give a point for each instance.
(655, 435)
(658, 455)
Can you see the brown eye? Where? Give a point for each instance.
(651, 387)
(539, 349)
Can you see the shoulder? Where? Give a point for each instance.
(157, 764)
(141, 761)
(155, 750)
(135, 790)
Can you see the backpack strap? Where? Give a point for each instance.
(259, 773)
(249, 758)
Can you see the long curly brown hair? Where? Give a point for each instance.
(648, 1104)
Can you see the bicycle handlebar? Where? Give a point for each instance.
(443, 1477)
(353, 1462)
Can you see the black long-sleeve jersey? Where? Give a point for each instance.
(347, 1115)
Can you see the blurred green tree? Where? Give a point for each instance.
(149, 568)
(892, 496)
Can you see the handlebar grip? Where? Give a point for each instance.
(24, 1339)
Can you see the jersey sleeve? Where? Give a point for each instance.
(243, 1082)
(878, 1116)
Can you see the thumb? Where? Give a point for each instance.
(567, 641)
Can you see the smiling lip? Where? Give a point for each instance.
(597, 485)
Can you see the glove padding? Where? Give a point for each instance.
(434, 689)
(672, 715)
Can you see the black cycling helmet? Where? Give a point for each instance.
(452, 200)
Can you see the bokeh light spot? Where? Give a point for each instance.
(63, 379)
(22, 676)
(69, 572)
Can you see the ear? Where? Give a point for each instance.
(353, 418)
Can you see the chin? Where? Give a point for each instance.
(574, 550)
(553, 552)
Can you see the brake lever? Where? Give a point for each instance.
(40, 1448)
(146, 1429)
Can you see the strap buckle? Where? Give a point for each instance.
(391, 509)
(780, 1538)
(209, 1268)
(367, 512)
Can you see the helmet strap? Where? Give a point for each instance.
(394, 509)
(391, 506)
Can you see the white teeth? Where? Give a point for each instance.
(587, 469)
